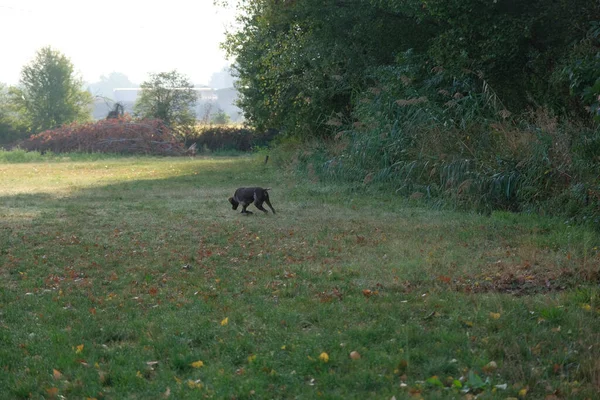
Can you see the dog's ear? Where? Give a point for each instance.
(267, 189)
(234, 204)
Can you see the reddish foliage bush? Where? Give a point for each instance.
(123, 136)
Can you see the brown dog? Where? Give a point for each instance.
(248, 195)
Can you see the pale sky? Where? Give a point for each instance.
(128, 36)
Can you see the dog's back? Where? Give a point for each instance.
(245, 196)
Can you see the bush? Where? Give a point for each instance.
(218, 138)
(449, 139)
(119, 136)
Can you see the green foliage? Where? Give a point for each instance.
(220, 138)
(433, 99)
(300, 62)
(11, 129)
(220, 118)
(582, 70)
(49, 93)
(168, 96)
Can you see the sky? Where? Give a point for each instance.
(128, 36)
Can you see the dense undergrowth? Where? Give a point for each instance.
(424, 134)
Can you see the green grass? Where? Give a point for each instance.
(92, 255)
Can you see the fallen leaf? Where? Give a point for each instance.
(324, 357)
(251, 358)
(194, 384)
(167, 392)
(490, 367)
(367, 293)
(494, 315)
(52, 392)
(56, 374)
(355, 355)
(79, 349)
(225, 321)
(139, 374)
(468, 324)
(523, 392)
(197, 364)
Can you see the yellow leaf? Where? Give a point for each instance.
(283, 347)
(177, 379)
(494, 315)
(324, 357)
(194, 384)
(56, 374)
(522, 392)
(197, 364)
(251, 358)
(139, 374)
(79, 349)
(225, 321)
(586, 307)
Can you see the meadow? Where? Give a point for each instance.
(131, 277)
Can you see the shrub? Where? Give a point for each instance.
(447, 137)
(121, 136)
(218, 138)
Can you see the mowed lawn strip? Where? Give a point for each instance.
(133, 278)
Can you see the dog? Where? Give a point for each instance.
(248, 195)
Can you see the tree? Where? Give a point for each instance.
(168, 96)
(298, 63)
(302, 65)
(220, 118)
(49, 93)
(9, 130)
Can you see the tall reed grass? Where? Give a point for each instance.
(431, 135)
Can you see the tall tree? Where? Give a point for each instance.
(300, 62)
(168, 96)
(50, 94)
(9, 130)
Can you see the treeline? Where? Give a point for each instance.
(485, 104)
(49, 111)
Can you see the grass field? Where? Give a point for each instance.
(133, 278)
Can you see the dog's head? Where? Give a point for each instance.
(234, 204)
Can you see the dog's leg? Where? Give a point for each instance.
(269, 204)
(244, 211)
(258, 204)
